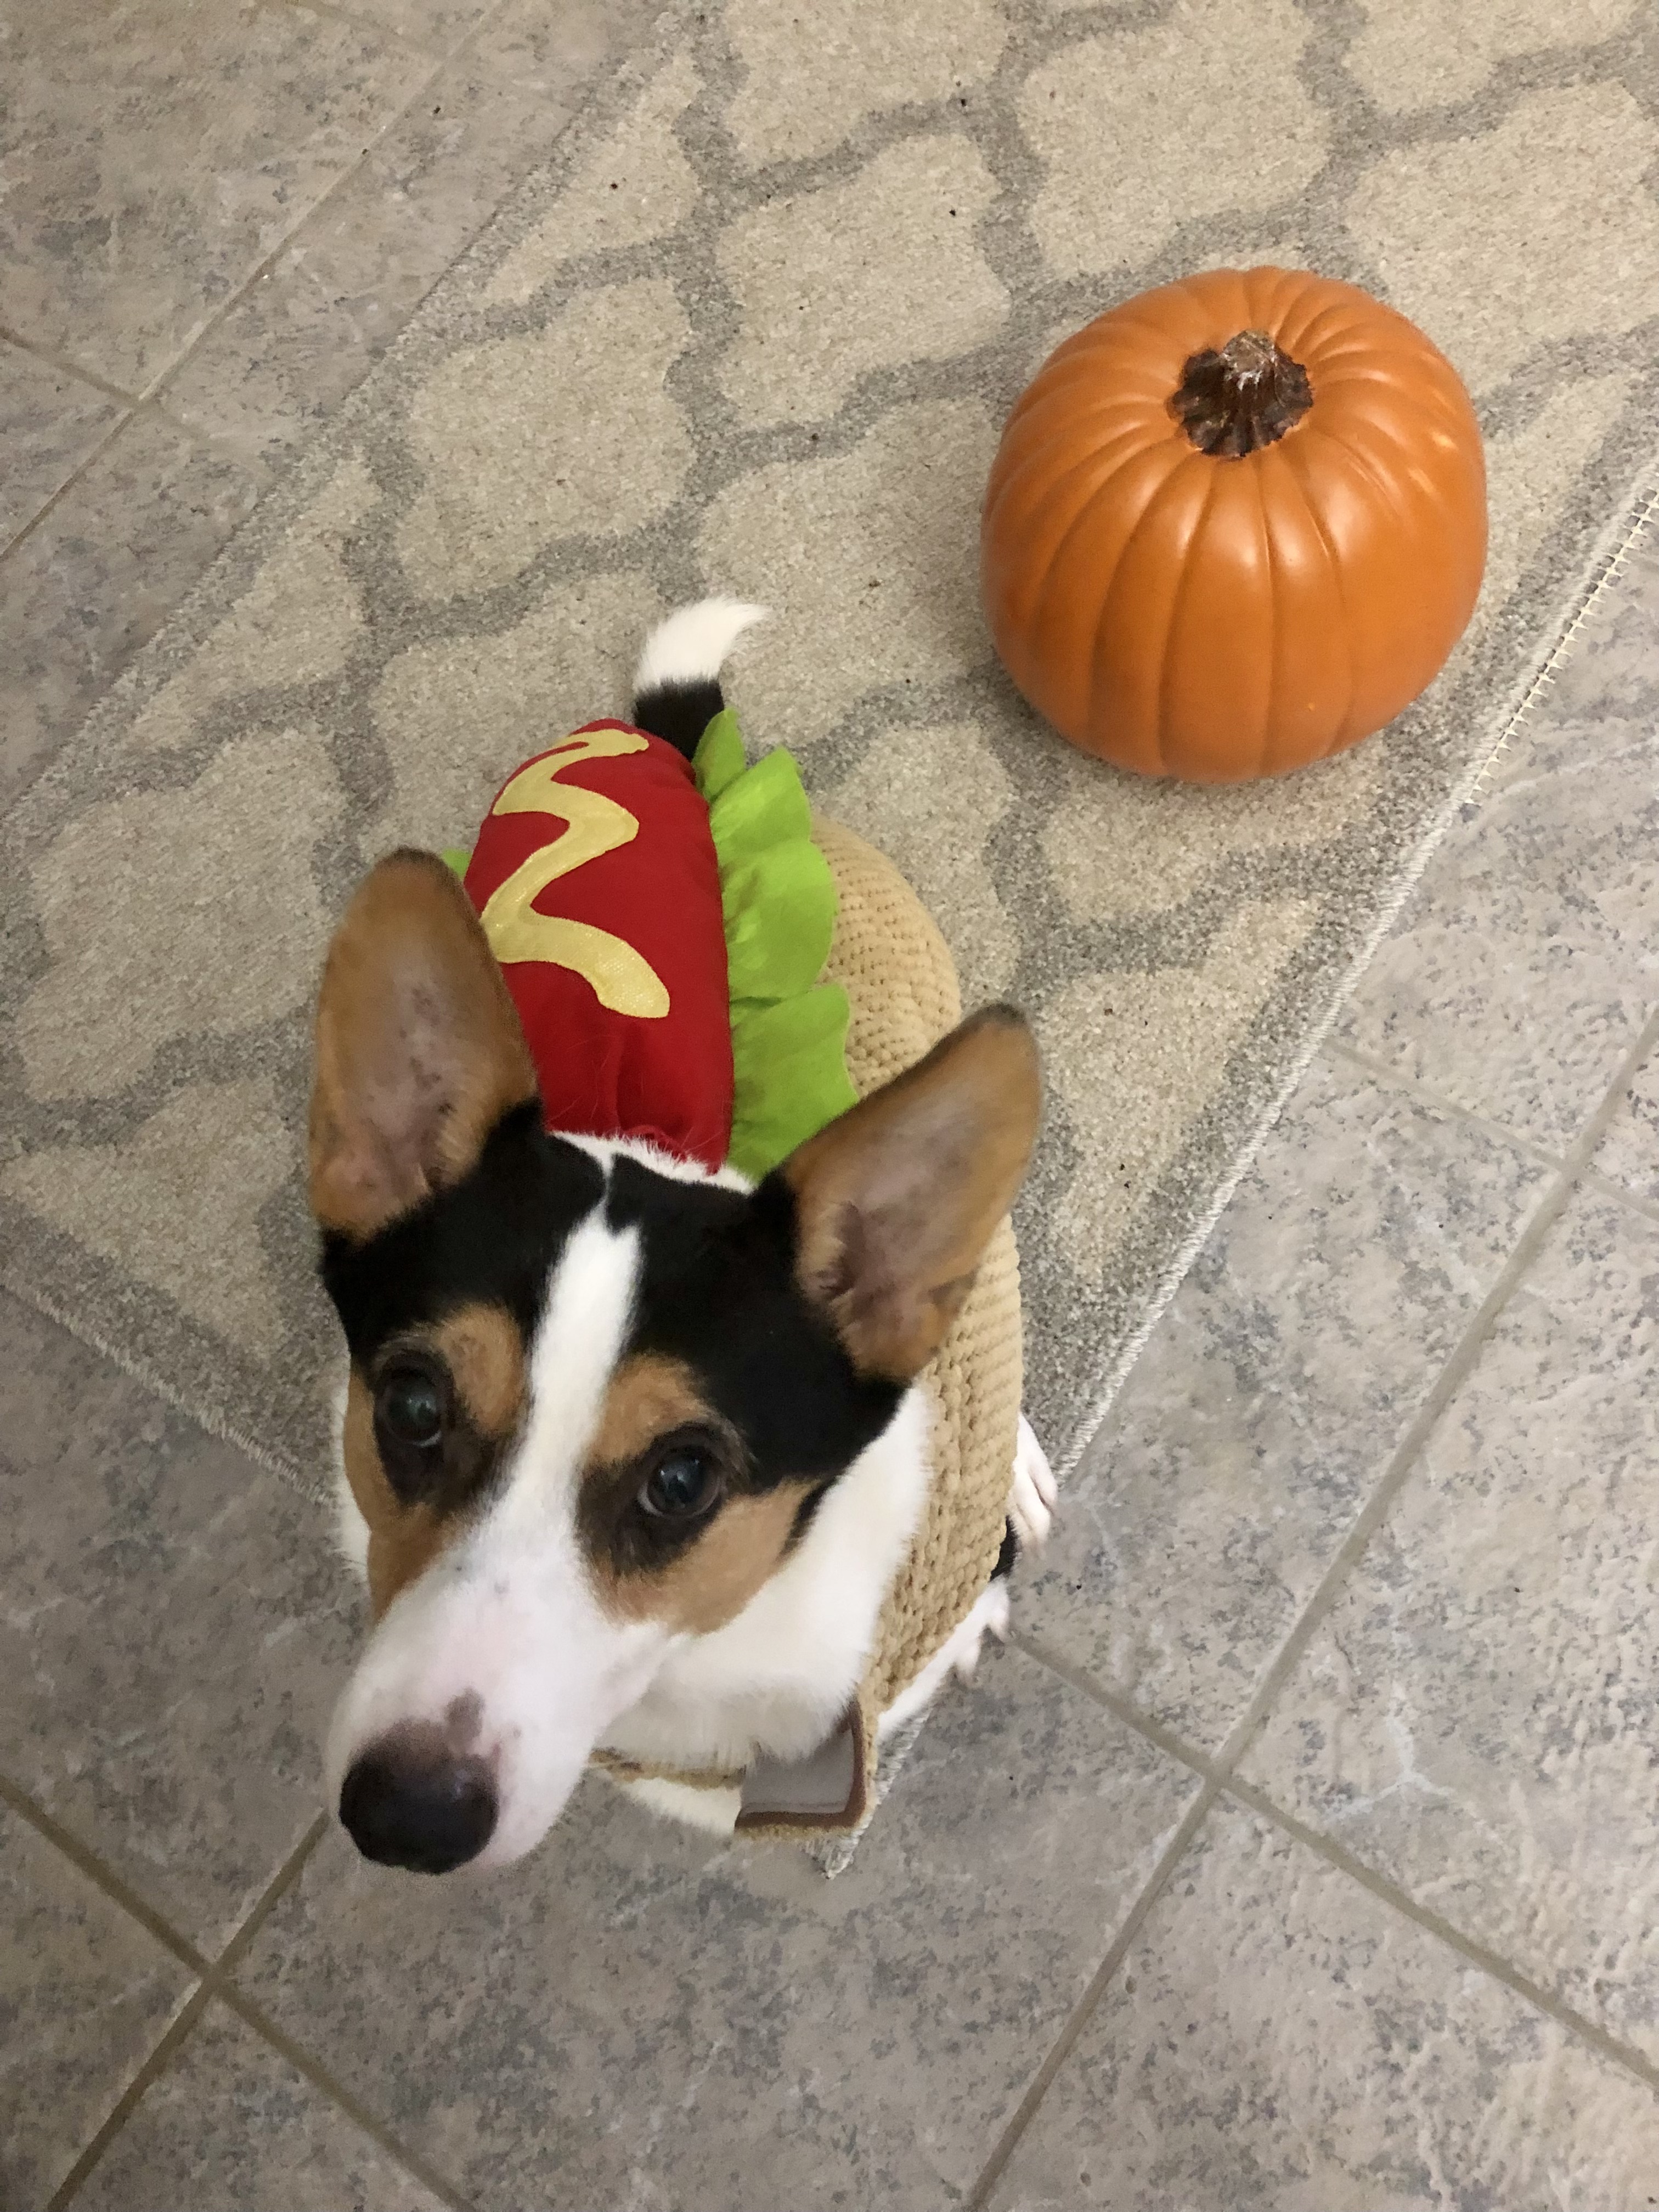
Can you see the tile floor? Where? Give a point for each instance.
(1301, 1852)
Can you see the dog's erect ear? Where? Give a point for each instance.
(897, 1200)
(419, 1051)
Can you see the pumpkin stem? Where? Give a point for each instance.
(1247, 395)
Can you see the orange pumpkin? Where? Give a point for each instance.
(1234, 525)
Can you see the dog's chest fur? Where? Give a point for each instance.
(779, 1678)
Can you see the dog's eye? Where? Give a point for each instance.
(408, 1409)
(683, 1482)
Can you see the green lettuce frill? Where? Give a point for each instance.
(788, 1031)
(778, 899)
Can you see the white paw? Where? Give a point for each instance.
(959, 1654)
(1031, 1500)
(990, 1617)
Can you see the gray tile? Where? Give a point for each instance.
(229, 2122)
(1476, 1717)
(153, 157)
(99, 575)
(437, 25)
(539, 49)
(313, 323)
(1261, 1411)
(1279, 2038)
(49, 423)
(1525, 963)
(85, 1993)
(697, 2026)
(172, 1629)
(1629, 1153)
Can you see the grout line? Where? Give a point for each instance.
(27, 529)
(88, 1863)
(1256, 1800)
(1608, 1187)
(130, 2098)
(1217, 1773)
(254, 2016)
(1447, 1383)
(1008, 2141)
(1442, 1101)
(63, 366)
(1223, 1784)
(261, 269)
(1120, 1707)
(271, 1896)
(1478, 1954)
(213, 1981)
(368, 26)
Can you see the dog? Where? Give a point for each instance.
(630, 1451)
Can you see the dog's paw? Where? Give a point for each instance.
(1032, 1499)
(990, 1617)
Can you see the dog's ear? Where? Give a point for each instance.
(897, 1200)
(418, 1047)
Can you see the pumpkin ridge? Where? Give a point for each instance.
(1310, 336)
(1177, 597)
(1261, 619)
(1387, 492)
(1137, 414)
(1296, 468)
(1022, 468)
(1259, 484)
(1154, 492)
(1060, 484)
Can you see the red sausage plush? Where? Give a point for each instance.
(596, 877)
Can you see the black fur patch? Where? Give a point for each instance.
(492, 1238)
(679, 712)
(1007, 1555)
(716, 1289)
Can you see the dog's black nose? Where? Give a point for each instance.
(409, 1802)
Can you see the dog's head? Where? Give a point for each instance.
(593, 1403)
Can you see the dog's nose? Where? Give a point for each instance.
(412, 1801)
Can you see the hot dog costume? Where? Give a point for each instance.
(698, 961)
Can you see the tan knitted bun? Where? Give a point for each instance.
(902, 990)
(902, 987)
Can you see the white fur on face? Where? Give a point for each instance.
(503, 1637)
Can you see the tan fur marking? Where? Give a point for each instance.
(711, 1583)
(484, 1352)
(418, 1047)
(898, 1198)
(648, 1396)
(714, 1578)
(403, 1539)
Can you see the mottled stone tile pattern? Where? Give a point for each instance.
(84, 1994)
(230, 2122)
(115, 261)
(1277, 2037)
(98, 575)
(1522, 970)
(1264, 1410)
(696, 2025)
(50, 423)
(1475, 1717)
(172, 1628)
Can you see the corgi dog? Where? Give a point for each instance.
(631, 1449)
